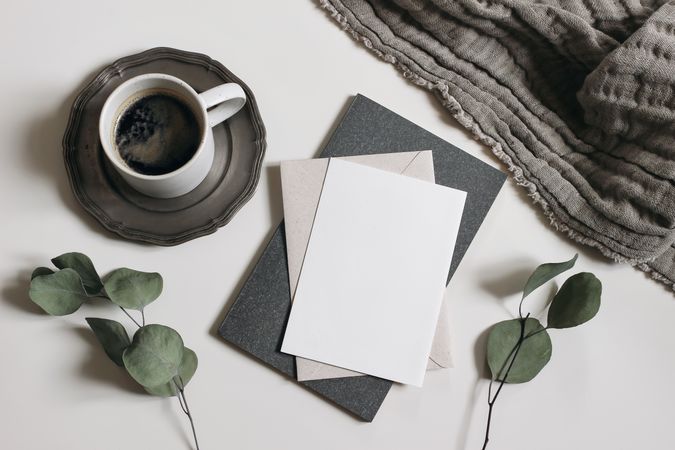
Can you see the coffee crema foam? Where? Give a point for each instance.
(156, 133)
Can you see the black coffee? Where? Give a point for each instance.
(157, 133)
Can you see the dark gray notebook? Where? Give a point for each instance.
(257, 319)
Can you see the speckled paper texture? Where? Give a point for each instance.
(256, 321)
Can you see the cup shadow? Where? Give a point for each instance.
(43, 154)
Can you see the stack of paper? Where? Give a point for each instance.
(370, 241)
(256, 320)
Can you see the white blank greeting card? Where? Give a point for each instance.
(301, 182)
(374, 273)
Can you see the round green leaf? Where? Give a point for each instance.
(59, 293)
(188, 367)
(534, 353)
(41, 271)
(112, 337)
(154, 356)
(133, 289)
(546, 272)
(577, 301)
(81, 264)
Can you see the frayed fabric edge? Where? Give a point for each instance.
(440, 90)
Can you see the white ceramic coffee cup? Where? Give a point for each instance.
(224, 100)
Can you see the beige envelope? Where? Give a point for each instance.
(301, 186)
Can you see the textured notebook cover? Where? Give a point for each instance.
(257, 319)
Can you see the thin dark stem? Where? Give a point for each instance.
(184, 406)
(487, 428)
(499, 374)
(535, 333)
(192, 422)
(180, 401)
(143, 316)
(492, 400)
(129, 316)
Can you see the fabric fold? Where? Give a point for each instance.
(577, 98)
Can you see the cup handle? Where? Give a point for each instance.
(225, 100)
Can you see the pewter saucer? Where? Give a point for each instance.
(239, 144)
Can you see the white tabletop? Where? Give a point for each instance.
(608, 384)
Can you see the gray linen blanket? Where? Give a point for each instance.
(576, 97)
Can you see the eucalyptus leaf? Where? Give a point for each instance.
(577, 301)
(112, 337)
(154, 356)
(58, 293)
(546, 272)
(132, 289)
(534, 353)
(41, 271)
(187, 368)
(81, 264)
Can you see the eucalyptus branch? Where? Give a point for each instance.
(182, 405)
(132, 319)
(156, 357)
(541, 330)
(182, 400)
(523, 346)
